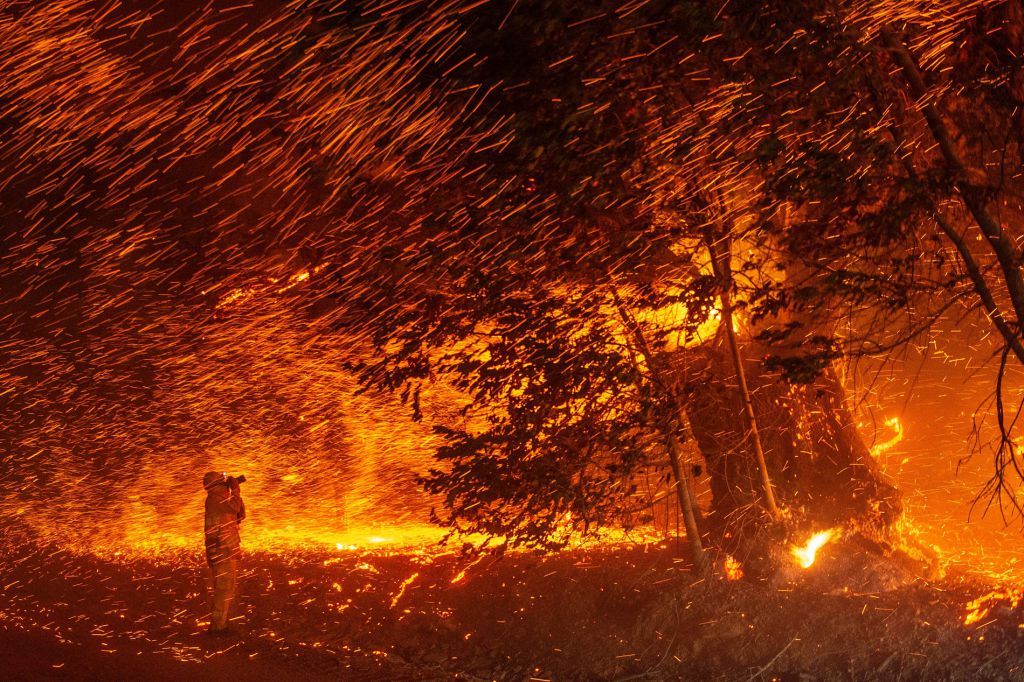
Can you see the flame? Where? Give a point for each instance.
(897, 429)
(268, 287)
(981, 607)
(733, 571)
(401, 588)
(461, 575)
(806, 554)
(673, 316)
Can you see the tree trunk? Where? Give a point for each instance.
(721, 261)
(974, 198)
(683, 482)
(823, 473)
(688, 505)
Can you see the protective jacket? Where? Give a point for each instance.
(224, 512)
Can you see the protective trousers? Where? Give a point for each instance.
(224, 579)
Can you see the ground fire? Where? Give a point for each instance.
(806, 554)
(624, 340)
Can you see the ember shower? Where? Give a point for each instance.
(186, 194)
(500, 265)
(183, 188)
(716, 304)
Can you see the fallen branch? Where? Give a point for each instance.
(770, 663)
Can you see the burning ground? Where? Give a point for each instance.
(417, 613)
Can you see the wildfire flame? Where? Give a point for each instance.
(461, 575)
(981, 607)
(733, 571)
(806, 554)
(884, 446)
(401, 589)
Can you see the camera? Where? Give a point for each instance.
(232, 480)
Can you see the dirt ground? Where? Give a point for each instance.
(37, 655)
(627, 613)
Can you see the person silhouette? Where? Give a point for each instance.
(224, 513)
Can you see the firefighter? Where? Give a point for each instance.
(224, 513)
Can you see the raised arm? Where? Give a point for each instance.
(235, 502)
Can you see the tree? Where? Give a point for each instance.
(594, 195)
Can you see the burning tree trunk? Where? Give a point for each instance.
(823, 473)
(790, 449)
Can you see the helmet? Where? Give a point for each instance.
(212, 478)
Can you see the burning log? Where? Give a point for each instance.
(823, 472)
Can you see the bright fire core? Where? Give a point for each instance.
(807, 553)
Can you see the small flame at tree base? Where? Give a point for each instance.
(733, 571)
(806, 554)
